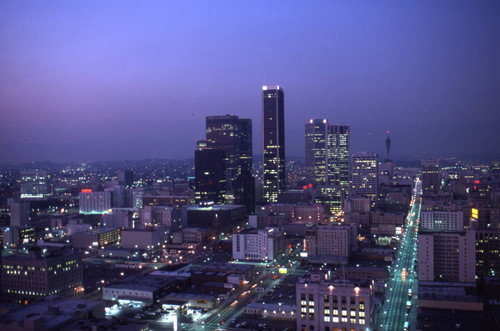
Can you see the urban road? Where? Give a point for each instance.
(398, 312)
(219, 317)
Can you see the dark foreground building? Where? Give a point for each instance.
(30, 278)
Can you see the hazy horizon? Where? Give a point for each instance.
(87, 81)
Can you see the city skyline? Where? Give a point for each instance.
(140, 83)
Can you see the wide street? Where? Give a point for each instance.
(398, 312)
(234, 306)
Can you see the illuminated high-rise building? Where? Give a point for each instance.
(273, 134)
(316, 143)
(430, 176)
(327, 161)
(338, 156)
(94, 202)
(233, 135)
(364, 172)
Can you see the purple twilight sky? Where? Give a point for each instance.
(105, 80)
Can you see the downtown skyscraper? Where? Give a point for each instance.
(231, 136)
(327, 160)
(316, 150)
(364, 179)
(430, 176)
(273, 138)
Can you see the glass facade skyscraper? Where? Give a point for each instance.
(316, 143)
(233, 136)
(273, 138)
(210, 176)
(338, 156)
(327, 161)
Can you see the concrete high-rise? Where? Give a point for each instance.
(273, 138)
(447, 256)
(430, 176)
(94, 202)
(19, 213)
(364, 172)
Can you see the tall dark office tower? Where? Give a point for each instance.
(388, 148)
(316, 143)
(233, 135)
(125, 177)
(430, 176)
(273, 138)
(246, 181)
(210, 176)
(222, 133)
(338, 157)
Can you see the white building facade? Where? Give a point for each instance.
(94, 202)
(442, 220)
(323, 304)
(257, 245)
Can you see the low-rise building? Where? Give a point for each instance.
(196, 235)
(222, 218)
(144, 288)
(257, 244)
(330, 242)
(75, 226)
(323, 304)
(143, 239)
(201, 301)
(272, 310)
(96, 238)
(52, 314)
(118, 218)
(30, 278)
